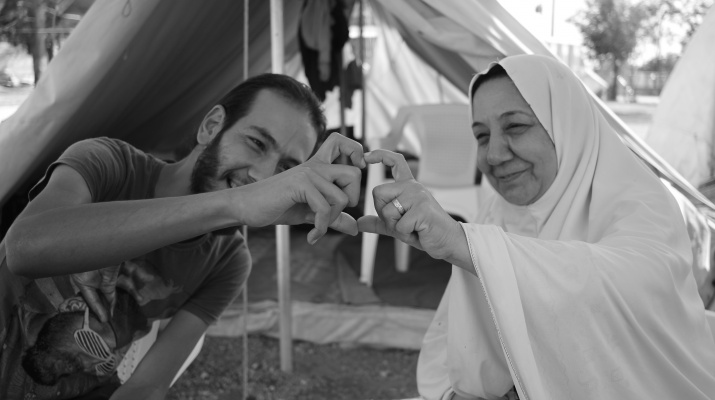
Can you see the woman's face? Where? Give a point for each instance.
(515, 152)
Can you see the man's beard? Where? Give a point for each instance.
(205, 170)
(206, 173)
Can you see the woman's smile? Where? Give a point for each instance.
(510, 177)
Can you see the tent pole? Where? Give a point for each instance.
(282, 231)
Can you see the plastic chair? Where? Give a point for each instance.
(710, 317)
(447, 167)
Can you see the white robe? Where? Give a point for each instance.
(588, 293)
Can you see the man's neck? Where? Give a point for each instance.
(175, 178)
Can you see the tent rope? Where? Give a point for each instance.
(245, 228)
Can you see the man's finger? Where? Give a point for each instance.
(336, 145)
(347, 178)
(400, 169)
(335, 197)
(109, 286)
(93, 300)
(127, 284)
(317, 203)
(345, 224)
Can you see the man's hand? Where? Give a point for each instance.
(316, 191)
(92, 283)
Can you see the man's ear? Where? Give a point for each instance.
(211, 125)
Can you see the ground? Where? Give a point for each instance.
(320, 372)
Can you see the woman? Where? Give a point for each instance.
(575, 282)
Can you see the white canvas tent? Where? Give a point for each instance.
(683, 125)
(146, 72)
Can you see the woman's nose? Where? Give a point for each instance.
(498, 150)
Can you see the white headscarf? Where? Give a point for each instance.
(588, 292)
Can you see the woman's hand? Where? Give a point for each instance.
(422, 223)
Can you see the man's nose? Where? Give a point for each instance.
(498, 149)
(263, 169)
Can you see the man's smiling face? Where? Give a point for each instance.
(274, 136)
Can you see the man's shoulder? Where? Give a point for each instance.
(234, 240)
(106, 143)
(101, 151)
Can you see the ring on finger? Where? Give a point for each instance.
(399, 206)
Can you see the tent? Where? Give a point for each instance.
(147, 71)
(684, 123)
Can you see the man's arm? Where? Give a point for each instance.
(62, 232)
(154, 374)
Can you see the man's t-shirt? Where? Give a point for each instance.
(201, 276)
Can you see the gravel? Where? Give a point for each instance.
(329, 371)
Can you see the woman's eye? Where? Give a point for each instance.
(482, 138)
(516, 128)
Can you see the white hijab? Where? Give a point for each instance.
(588, 292)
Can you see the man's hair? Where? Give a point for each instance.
(52, 356)
(238, 102)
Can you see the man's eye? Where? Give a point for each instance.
(284, 166)
(258, 144)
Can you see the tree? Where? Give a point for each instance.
(664, 63)
(610, 29)
(21, 22)
(35, 24)
(674, 19)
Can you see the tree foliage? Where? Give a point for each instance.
(37, 25)
(674, 19)
(610, 29)
(664, 63)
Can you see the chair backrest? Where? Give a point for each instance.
(710, 317)
(448, 150)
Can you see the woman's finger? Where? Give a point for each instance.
(372, 224)
(400, 169)
(384, 195)
(390, 214)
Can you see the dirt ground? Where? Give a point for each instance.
(320, 372)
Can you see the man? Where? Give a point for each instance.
(105, 203)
